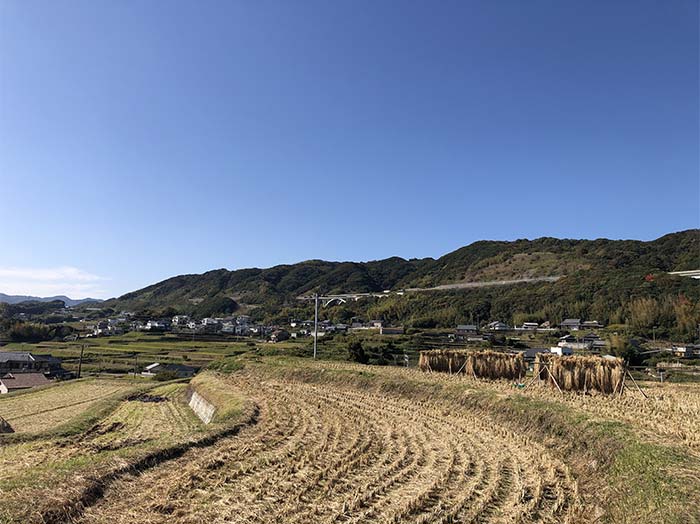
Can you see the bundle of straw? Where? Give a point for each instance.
(581, 373)
(480, 364)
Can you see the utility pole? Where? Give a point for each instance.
(341, 299)
(315, 323)
(80, 362)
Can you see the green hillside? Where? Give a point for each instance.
(601, 279)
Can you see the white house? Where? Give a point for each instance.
(561, 351)
(156, 325)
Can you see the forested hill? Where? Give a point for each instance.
(599, 278)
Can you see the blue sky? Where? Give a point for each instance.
(140, 140)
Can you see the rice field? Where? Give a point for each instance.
(136, 421)
(48, 407)
(329, 442)
(55, 470)
(323, 455)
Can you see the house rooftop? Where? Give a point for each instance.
(21, 356)
(24, 380)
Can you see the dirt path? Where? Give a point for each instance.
(321, 454)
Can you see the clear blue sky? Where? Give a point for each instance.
(145, 139)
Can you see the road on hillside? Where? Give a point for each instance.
(489, 283)
(442, 287)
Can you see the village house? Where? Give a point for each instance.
(243, 330)
(684, 351)
(591, 324)
(571, 342)
(530, 326)
(228, 328)
(17, 381)
(529, 354)
(180, 320)
(562, 350)
(279, 335)
(497, 325)
(463, 330)
(571, 324)
(596, 343)
(156, 325)
(243, 320)
(101, 328)
(25, 362)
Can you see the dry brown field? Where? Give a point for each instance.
(48, 407)
(334, 442)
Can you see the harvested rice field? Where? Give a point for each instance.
(331, 442)
(48, 407)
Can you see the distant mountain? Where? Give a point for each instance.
(598, 279)
(69, 302)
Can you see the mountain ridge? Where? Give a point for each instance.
(69, 302)
(593, 272)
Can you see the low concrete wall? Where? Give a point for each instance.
(204, 409)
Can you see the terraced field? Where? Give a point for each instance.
(48, 407)
(41, 474)
(320, 455)
(299, 442)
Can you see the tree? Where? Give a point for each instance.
(644, 313)
(28, 332)
(687, 318)
(357, 352)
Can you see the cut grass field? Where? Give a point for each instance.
(300, 441)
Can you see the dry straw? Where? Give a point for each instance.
(581, 373)
(480, 364)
